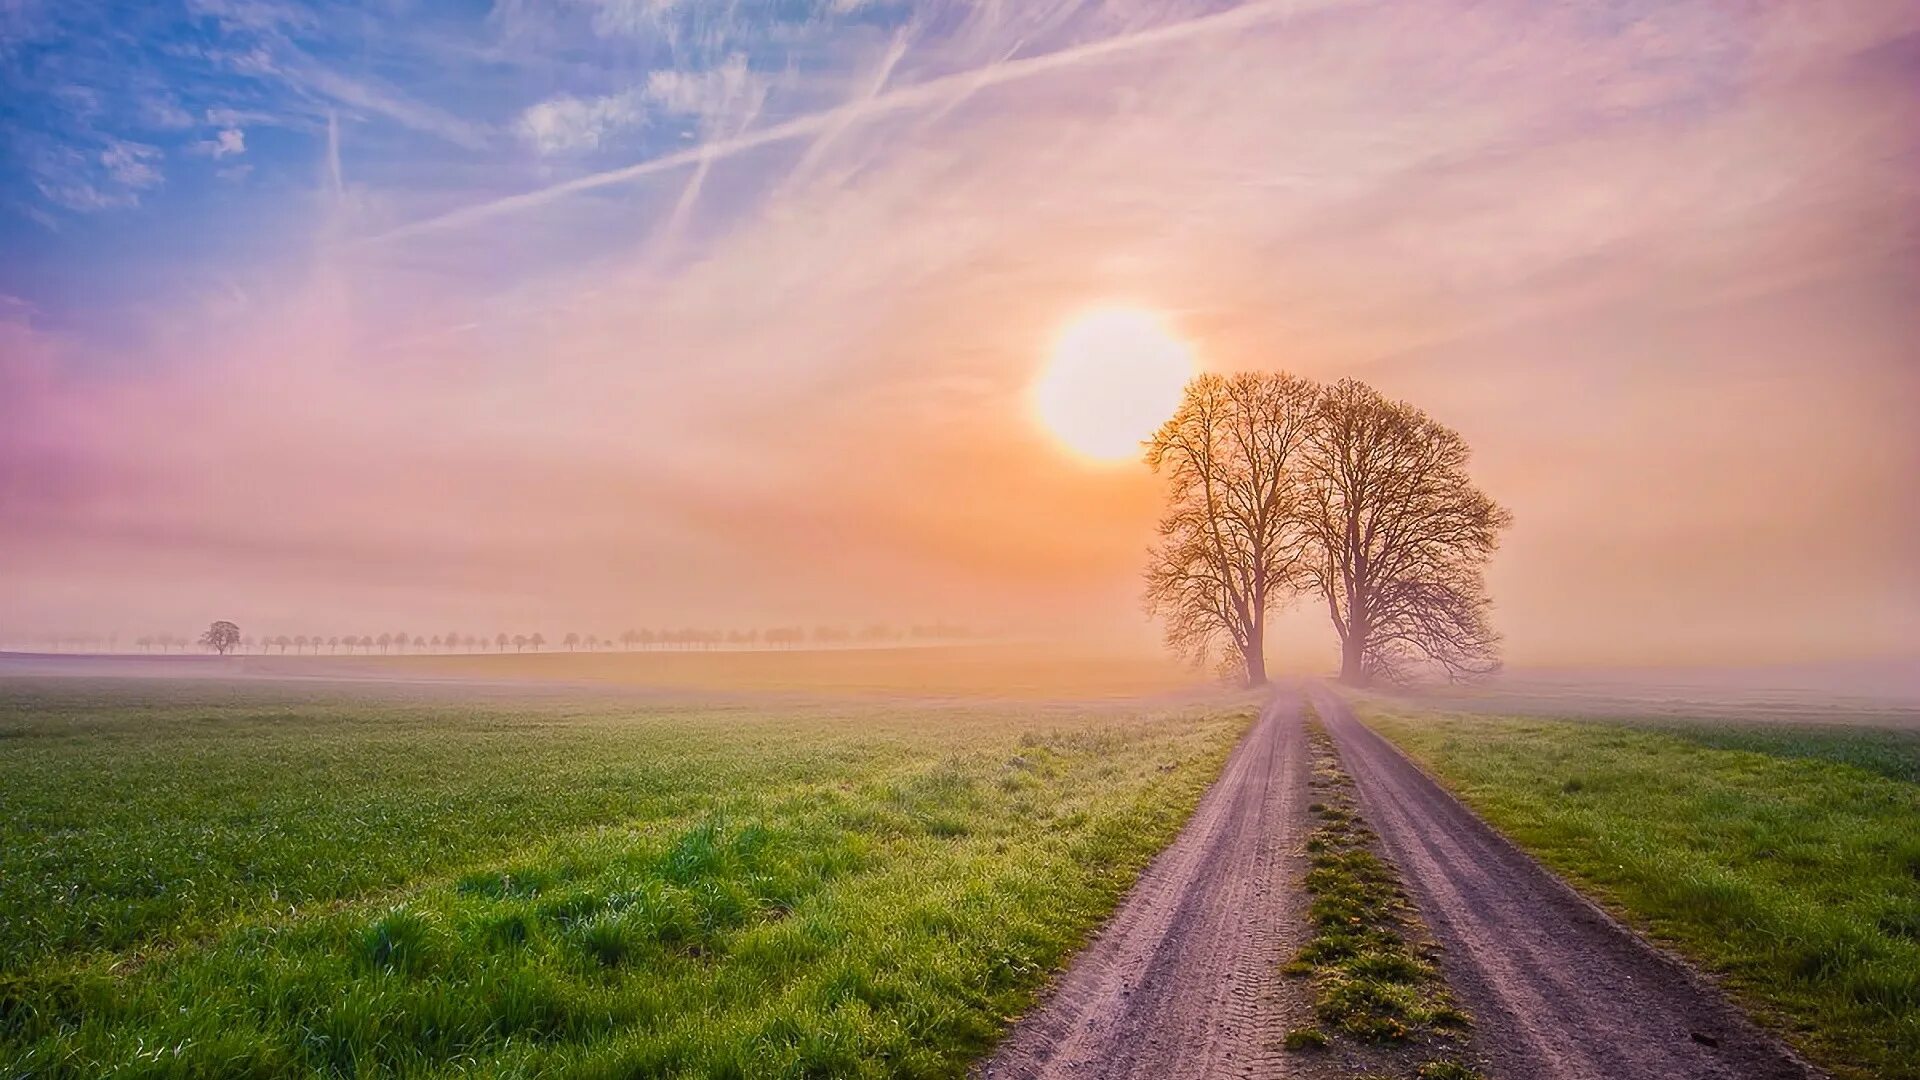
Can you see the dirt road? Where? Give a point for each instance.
(1180, 984)
(1184, 981)
(1556, 987)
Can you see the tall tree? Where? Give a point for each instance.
(1231, 535)
(1400, 538)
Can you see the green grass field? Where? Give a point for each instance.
(1785, 859)
(217, 880)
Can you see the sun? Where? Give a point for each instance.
(1112, 377)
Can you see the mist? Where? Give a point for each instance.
(447, 366)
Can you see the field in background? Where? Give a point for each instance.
(1784, 857)
(1031, 671)
(232, 879)
(1869, 693)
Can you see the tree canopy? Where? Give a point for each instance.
(1278, 488)
(221, 636)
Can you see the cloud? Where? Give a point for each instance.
(256, 15)
(131, 165)
(228, 142)
(166, 114)
(227, 117)
(567, 124)
(715, 95)
(631, 18)
(372, 95)
(108, 176)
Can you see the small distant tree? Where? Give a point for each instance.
(536, 641)
(385, 641)
(571, 640)
(500, 641)
(221, 637)
(299, 643)
(519, 642)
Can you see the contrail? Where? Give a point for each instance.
(916, 96)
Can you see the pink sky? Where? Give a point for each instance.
(1659, 268)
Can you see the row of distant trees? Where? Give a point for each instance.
(220, 639)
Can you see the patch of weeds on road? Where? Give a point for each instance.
(1374, 978)
(1306, 1039)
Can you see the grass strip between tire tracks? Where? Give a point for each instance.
(1373, 974)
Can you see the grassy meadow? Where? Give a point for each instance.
(236, 879)
(1784, 858)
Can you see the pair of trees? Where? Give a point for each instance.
(1280, 487)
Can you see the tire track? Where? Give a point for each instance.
(1557, 988)
(1182, 982)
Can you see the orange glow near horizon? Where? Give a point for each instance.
(1112, 378)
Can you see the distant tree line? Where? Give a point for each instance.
(396, 642)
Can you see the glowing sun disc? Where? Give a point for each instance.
(1113, 377)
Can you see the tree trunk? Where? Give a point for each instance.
(1353, 669)
(1255, 655)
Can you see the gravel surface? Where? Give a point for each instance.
(1182, 981)
(1556, 987)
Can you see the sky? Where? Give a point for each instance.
(594, 314)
